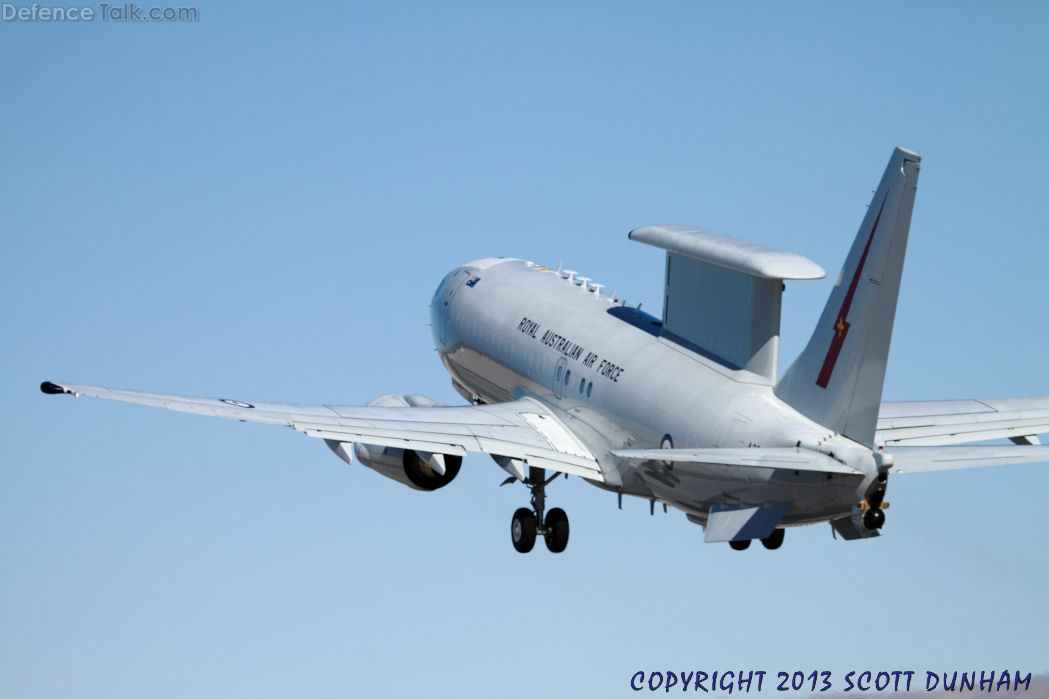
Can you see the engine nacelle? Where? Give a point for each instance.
(408, 466)
(418, 470)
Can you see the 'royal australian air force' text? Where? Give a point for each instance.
(574, 351)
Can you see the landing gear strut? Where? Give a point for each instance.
(526, 523)
(874, 517)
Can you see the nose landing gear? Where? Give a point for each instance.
(874, 504)
(527, 523)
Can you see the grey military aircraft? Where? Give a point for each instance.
(685, 411)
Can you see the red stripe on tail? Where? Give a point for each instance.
(841, 327)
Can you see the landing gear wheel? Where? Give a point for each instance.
(556, 527)
(522, 530)
(874, 519)
(739, 544)
(773, 540)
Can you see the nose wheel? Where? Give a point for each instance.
(874, 517)
(527, 523)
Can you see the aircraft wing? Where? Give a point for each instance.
(523, 429)
(935, 423)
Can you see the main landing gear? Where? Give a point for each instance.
(526, 522)
(772, 541)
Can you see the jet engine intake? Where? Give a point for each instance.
(418, 470)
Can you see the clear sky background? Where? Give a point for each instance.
(259, 205)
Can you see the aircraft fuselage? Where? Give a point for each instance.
(506, 329)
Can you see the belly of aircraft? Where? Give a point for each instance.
(695, 488)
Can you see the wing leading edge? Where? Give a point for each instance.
(523, 429)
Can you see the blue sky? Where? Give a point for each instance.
(260, 205)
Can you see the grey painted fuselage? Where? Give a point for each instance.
(506, 329)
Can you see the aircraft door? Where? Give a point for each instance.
(559, 377)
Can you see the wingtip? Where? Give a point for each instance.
(52, 389)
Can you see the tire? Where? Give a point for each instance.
(739, 544)
(773, 540)
(522, 530)
(874, 519)
(556, 530)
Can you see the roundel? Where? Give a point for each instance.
(667, 443)
(237, 403)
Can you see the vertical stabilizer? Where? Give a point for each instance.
(837, 379)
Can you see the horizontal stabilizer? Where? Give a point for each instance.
(784, 457)
(933, 423)
(728, 523)
(914, 459)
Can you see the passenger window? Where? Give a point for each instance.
(589, 388)
(582, 385)
(559, 370)
(568, 376)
